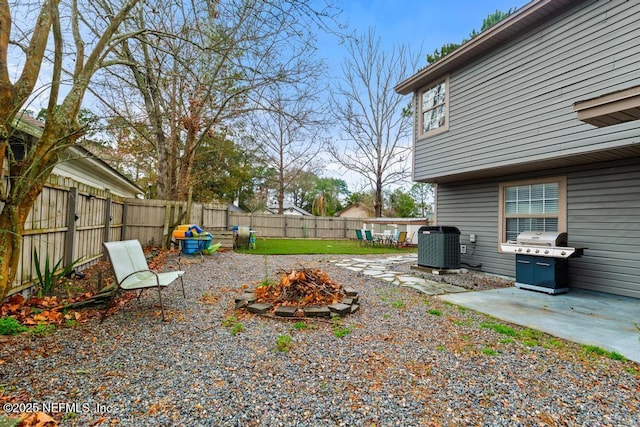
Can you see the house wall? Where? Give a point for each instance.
(515, 104)
(603, 201)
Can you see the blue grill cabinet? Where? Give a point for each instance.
(548, 274)
(439, 247)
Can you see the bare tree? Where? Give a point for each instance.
(82, 34)
(374, 120)
(215, 67)
(287, 132)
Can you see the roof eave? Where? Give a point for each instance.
(523, 19)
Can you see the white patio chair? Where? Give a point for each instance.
(132, 271)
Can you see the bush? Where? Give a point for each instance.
(10, 326)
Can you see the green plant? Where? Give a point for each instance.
(237, 328)
(613, 355)
(229, 321)
(10, 326)
(489, 351)
(435, 312)
(42, 329)
(632, 371)
(50, 276)
(283, 343)
(300, 326)
(499, 328)
(339, 330)
(397, 304)
(70, 323)
(441, 348)
(233, 323)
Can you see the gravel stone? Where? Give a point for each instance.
(410, 360)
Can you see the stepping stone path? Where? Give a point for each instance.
(382, 268)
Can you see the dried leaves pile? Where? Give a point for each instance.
(301, 288)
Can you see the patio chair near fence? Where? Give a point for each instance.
(369, 237)
(401, 240)
(132, 272)
(359, 236)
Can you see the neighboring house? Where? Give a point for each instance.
(289, 209)
(356, 210)
(76, 162)
(533, 124)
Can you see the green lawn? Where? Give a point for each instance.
(266, 246)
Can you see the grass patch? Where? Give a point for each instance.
(397, 304)
(435, 312)
(499, 328)
(300, 326)
(632, 371)
(339, 330)
(487, 351)
(237, 328)
(316, 246)
(593, 349)
(42, 329)
(283, 343)
(233, 323)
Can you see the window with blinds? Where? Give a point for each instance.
(532, 206)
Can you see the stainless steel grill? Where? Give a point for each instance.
(542, 260)
(551, 244)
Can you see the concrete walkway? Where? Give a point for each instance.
(382, 268)
(581, 316)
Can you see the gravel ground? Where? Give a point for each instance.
(410, 360)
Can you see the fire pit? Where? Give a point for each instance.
(301, 292)
(542, 260)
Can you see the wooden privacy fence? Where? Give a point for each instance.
(71, 220)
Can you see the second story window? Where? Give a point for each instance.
(434, 109)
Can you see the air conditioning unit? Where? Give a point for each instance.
(439, 247)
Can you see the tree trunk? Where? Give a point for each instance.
(10, 240)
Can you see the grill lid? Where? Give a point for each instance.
(542, 238)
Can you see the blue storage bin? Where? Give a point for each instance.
(195, 245)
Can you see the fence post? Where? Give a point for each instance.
(107, 220)
(123, 229)
(165, 229)
(344, 222)
(70, 237)
(227, 218)
(315, 227)
(189, 202)
(286, 226)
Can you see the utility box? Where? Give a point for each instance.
(439, 247)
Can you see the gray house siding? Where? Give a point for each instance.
(515, 105)
(603, 205)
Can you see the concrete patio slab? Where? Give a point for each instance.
(581, 316)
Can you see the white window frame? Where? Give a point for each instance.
(562, 204)
(445, 126)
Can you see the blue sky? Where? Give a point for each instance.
(422, 25)
(429, 23)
